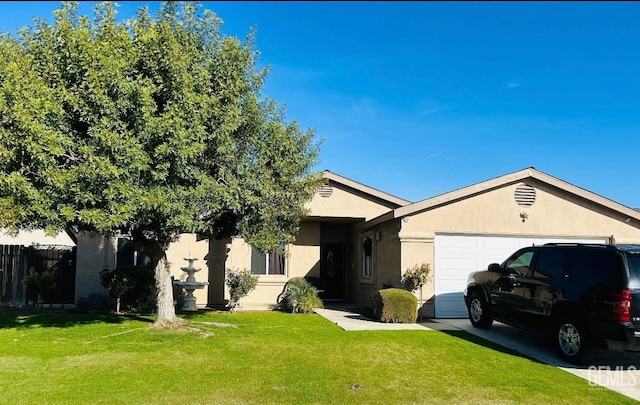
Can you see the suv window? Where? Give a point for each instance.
(548, 263)
(519, 264)
(633, 259)
(599, 267)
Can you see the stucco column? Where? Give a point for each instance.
(417, 248)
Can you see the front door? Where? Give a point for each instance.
(332, 270)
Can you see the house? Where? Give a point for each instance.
(465, 230)
(358, 240)
(327, 246)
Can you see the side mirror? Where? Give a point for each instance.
(495, 267)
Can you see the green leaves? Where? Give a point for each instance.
(144, 126)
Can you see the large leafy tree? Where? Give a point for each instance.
(150, 127)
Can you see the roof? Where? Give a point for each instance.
(365, 189)
(498, 182)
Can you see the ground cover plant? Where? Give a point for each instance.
(263, 358)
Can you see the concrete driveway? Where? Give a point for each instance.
(615, 369)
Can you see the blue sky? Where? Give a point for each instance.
(421, 98)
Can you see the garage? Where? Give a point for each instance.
(457, 255)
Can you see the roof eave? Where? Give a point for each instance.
(365, 189)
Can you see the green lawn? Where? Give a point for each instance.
(266, 358)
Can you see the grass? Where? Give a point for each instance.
(265, 358)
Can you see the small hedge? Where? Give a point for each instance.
(397, 306)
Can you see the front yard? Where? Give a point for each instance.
(266, 358)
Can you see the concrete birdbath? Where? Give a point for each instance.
(190, 284)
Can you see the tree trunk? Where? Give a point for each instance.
(166, 310)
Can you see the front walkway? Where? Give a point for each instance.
(349, 320)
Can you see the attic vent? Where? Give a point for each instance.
(326, 191)
(525, 195)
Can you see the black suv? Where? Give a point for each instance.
(586, 296)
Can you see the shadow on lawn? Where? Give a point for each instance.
(61, 319)
(460, 334)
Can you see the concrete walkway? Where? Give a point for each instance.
(349, 320)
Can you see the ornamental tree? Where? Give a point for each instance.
(151, 127)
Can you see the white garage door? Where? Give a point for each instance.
(458, 255)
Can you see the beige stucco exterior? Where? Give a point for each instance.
(35, 237)
(491, 209)
(344, 213)
(95, 252)
(334, 213)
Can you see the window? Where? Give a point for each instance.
(548, 264)
(127, 256)
(271, 263)
(366, 256)
(519, 265)
(633, 258)
(603, 268)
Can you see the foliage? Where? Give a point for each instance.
(270, 358)
(240, 283)
(151, 127)
(38, 284)
(300, 296)
(417, 276)
(398, 306)
(82, 305)
(134, 285)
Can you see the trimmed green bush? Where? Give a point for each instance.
(134, 285)
(300, 296)
(398, 306)
(240, 283)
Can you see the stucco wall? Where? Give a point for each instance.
(304, 254)
(346, 203)
(178, 251)
(388, 255)
(495, 212)
(36, 236)
(302, 259)
(96, 252)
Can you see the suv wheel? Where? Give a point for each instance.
(573, 342)
(479, 312)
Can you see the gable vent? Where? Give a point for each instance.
(525, 195)
(326, 191)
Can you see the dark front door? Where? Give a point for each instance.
(332, 270)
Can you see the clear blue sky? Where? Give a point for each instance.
(418, 99)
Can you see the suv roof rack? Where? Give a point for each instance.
(599, 245)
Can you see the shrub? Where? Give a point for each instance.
(37, 285)
(82, 305)
(397, 306)
(240, 283)
(135, 286)
(416, 277)
(300, 296)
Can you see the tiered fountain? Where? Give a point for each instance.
(190, 284)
